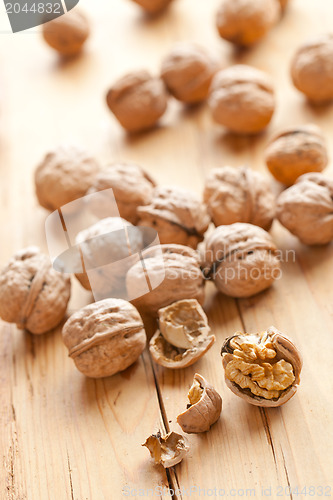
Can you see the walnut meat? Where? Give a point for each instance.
(245, 22)
(242, 99)
(64, 176)
(105, 337)
(188, 72)
(32, 294)
(312, 69)
(264, 369)
(67, 34)
(242, 259)
(138, 101)
(239, 195)
(168, 450)
(295, 152)
(306, 209)
(177, 215)
(153, 6)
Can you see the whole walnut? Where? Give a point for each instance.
(64, 176)
(170, 273)
(177, 215)
(245, 22)
(312, 69)
(188, 72)
(153, 6)
(239, 195)
(306, 209)
(242, 99)
(131, 185)
(67, 34)
(295, 152)
(32, 294)
(138, 100)
(105, 337)
(241, 259)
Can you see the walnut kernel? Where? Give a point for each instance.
(68, 33)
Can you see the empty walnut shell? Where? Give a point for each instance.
(241, 259)
(188, 72)
(153, 6)
(239, 195)
(242, 99)
(137, 100)
(264, 369)
(312, 69)
(177, 215)
(204, 408)
(168, 450)
(105, 337)
(306, 209)
(245, 22)
(32, 294)
(295, 152)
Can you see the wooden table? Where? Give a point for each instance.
(66, 437)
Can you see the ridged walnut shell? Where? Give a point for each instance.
(167, 450)
(153, 6)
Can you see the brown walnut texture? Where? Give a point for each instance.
(67, 34)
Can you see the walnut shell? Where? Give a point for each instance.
(312, 69)
(239, 195)
(153, 6)
(295, 152)
(67, 34)
(131, 185)
(245, 22)
(264, 369)
(64, 176)
(177, 215)
(306, 209)
(242, 259)
(204, 409)
(105, 337)
(242, 99)
(168, 450)
(32, 294)
(188, 72)
(170, 273)
(137, 100)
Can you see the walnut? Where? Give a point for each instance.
(242, 99)
(137, 100)
(67, 34)
(105, 337)
(170, 273)
(239, 195)
(296, 151)
(242, 259)
(177, 215)
(306, 209)
(264, 369)
(188, 72)
(64, 176)
(153, 6)
(32, 294)
(168, 450)
(204, 408)
(131, 185)
(245, 22)
(312, 69)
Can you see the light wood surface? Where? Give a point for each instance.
(66, 437)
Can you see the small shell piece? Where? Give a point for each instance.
(32, 294)
(295, 152)
(264, 369)
(153, 6)
(239, 195)
(204, 408)
(138, 100)
(177, 215)
(306, 209)
(67, 34)
(168, 450)
(105, 337)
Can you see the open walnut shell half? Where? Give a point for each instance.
(168, 450)
(204, 408)
(264, 368)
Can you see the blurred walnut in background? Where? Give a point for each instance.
(153, 6)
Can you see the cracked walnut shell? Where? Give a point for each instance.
(264, 369)
(239, 195)
(153, 6)
(32, 294)
(105, 337)
(167, 450)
